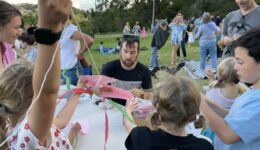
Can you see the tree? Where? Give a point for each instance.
(111, 15)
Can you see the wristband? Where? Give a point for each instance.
(44, 35)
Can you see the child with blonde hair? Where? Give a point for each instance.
(177, 103)
(227, 87)
(28, 97)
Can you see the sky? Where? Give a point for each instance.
(81, 4)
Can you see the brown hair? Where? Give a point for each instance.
(130, 40)
(250, 41)
(27, 38)
(177, 101)
(7, 12)
(16, 92)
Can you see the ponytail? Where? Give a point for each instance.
(241, 88)
(155, 121)
(216, 84)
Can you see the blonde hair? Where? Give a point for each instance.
(16, 92)
(177, 101)
(227, 74)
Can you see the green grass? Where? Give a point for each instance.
(144, 56)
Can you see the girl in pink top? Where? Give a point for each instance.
(10, 23)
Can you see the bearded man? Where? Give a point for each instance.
(132, 75)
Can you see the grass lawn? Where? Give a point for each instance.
(144, 56)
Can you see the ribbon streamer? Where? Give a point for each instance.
(106, 130)
(122, 110)
(67, 79)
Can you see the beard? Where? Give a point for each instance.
(128, 63)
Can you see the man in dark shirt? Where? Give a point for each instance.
(132, 75)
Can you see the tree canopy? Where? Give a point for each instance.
(111, 15)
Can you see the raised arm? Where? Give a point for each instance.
(83, 37)
(51, 14)
(63, 117)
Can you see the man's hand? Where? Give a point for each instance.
(98, 91)
(227, 40)
(137, 92)
(236, 36)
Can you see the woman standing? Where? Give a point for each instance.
(10, 23)
(127, 29)
(177, 27)
(207, 41)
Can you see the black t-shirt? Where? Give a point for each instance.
(142, 138)
(139, 73)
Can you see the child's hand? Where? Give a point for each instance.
(210, 74)
(53, 12)
(131, 105)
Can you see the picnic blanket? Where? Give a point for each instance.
(192, 68)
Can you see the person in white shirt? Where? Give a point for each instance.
(71, 49)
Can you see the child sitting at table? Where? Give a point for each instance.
(177, 103)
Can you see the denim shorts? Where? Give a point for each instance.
(175, 40)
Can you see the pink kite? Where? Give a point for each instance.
(96, 80)
(115, 92)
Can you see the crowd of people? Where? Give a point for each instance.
(29, 85)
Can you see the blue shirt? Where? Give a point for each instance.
(206, 33)
(244, 120)
(32, 54)
(177, 30)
